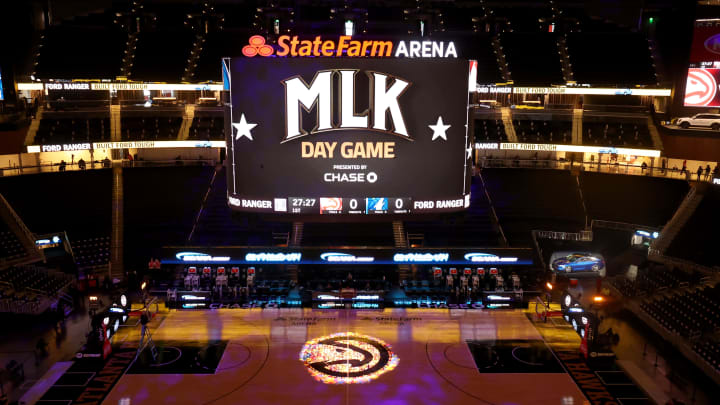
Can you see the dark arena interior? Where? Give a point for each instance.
(359, 202)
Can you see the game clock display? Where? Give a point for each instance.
(349, 205)
(347, 136)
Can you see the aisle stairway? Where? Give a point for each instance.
(400, 239)
(654, 134)
(14, 224)
(115, 129)
(117, 270)
(188, 117)
(34, 126)
(577, 124)
(507, 122)
(678, 220)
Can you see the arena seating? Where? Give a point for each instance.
(218, 225)
(509, 17)
(348, 234)
(85, 47)
(328, 278)
(162, 55)
(29, 289)
(603, 58)
(79, 203)
(653, 277)
(425, 287)
(537, 131)
(94, 102)
(628, 134)
(73, 130)
(527, 200)
(10, 246)
(37, 278)
(91, 252)
(157, 125)
(471, 228)
(688, 313)
(218, 45)
(208, 124)
(161, 204)
(237, 16)
(533, 58)
(696, 240)
(490, 130)
(649, 201)
(484, 53)
(270, 290)
(709, 350)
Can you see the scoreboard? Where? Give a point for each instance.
(349, 205)
(347, 136)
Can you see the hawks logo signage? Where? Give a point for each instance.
(339, 135)
(701, 89)
(347, 358)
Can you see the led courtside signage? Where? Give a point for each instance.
(335, 257)
(347, 136)
(421, 257)
(488, 258)
(278, 257)
(200, 257)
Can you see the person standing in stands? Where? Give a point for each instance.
(699, 172)
(81, 164)
(707, 172)
(62, 166)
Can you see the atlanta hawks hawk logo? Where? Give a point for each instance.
(347, 358)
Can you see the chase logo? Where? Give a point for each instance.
(488, 258)
(345, 258)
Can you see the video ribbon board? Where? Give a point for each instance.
(257, 256)
(343, 135)
(701, 88)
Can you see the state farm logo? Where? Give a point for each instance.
(347, 358)
(701, 87)
(257, 46)
(712, 44)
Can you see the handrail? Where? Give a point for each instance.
(656, 255)
(602, 223)
(590, 167)
(492, 211)
(583, 236)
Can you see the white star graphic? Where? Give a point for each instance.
(469, 153)
(243, 128)
(439, 129)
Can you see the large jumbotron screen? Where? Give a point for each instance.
(701, 89)
(347, 135)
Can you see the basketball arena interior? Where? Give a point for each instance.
(359, 202)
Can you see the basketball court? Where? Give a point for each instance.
(404, 356)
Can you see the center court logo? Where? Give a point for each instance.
(347, 358)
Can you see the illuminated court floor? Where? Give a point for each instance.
(404, 356)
